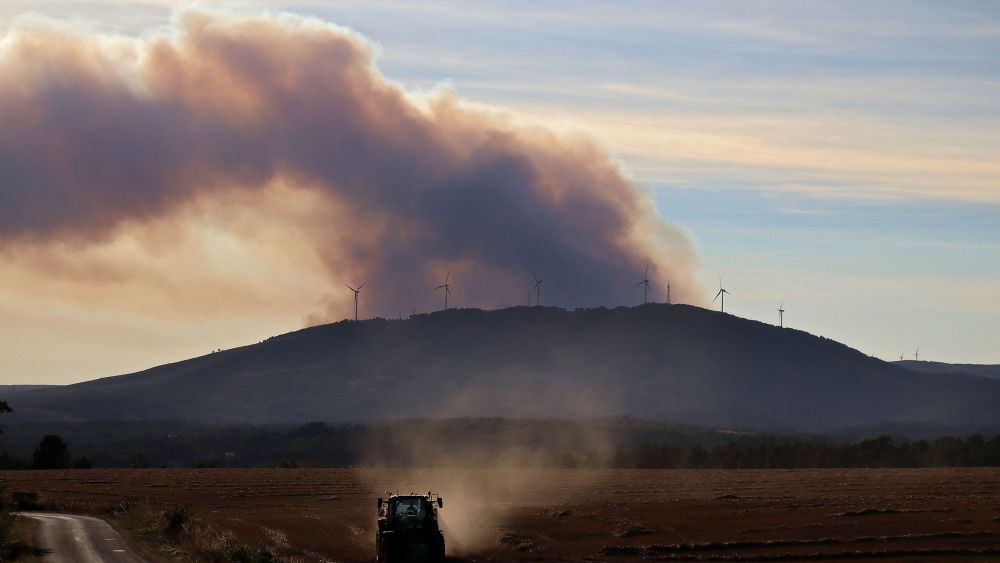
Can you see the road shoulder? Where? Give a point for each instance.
(24, 549)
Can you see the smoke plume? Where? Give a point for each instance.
(101, 134)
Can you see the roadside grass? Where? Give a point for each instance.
(175, 534)
(171, 534)
(24, 550)
(16, 536)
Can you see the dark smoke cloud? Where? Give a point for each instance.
(98, 134)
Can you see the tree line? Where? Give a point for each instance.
(489, 442)
(883, 451)
(52, 453)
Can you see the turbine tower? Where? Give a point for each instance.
(447, 289)
(356, 292)
(722, 293)
(645, 286)
(668, 292)
(538, 288)
(781, 314)
(916, 355)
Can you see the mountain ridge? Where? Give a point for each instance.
(991, 371)
(673, 363)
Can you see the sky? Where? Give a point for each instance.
(839, 158)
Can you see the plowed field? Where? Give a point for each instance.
(576, 515)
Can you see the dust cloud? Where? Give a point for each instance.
(484, 469)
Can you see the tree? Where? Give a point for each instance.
(4, 409)
(52, 453)
(82, 462)
(138, 461)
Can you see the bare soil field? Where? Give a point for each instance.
(575, 515)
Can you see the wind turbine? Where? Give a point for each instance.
(538, 288)
(356, 292)
(531, 290)
(901, 356)
(781, 314)
(645, 285)
(447, 289)
(916, 355)
(668, 292)
(722, 293)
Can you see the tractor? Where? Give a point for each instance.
(408, 530)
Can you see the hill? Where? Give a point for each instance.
(8, 390)
(661, 362)
(981, 370)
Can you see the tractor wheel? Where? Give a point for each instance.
(389, 550)
(437, 554)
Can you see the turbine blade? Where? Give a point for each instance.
(448, 276)
(351, 288)
(646, 275)
(362, 285)
(717, 296)
(640, 283)
(440, 286)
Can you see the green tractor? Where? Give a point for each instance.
(408, 529)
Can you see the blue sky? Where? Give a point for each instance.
(843, 157)
(863, 190)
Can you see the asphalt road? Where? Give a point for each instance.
(69, 538)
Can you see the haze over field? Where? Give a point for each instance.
(176, 179)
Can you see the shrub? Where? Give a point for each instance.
(176, 520)
(82, 462)
(52, 453)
